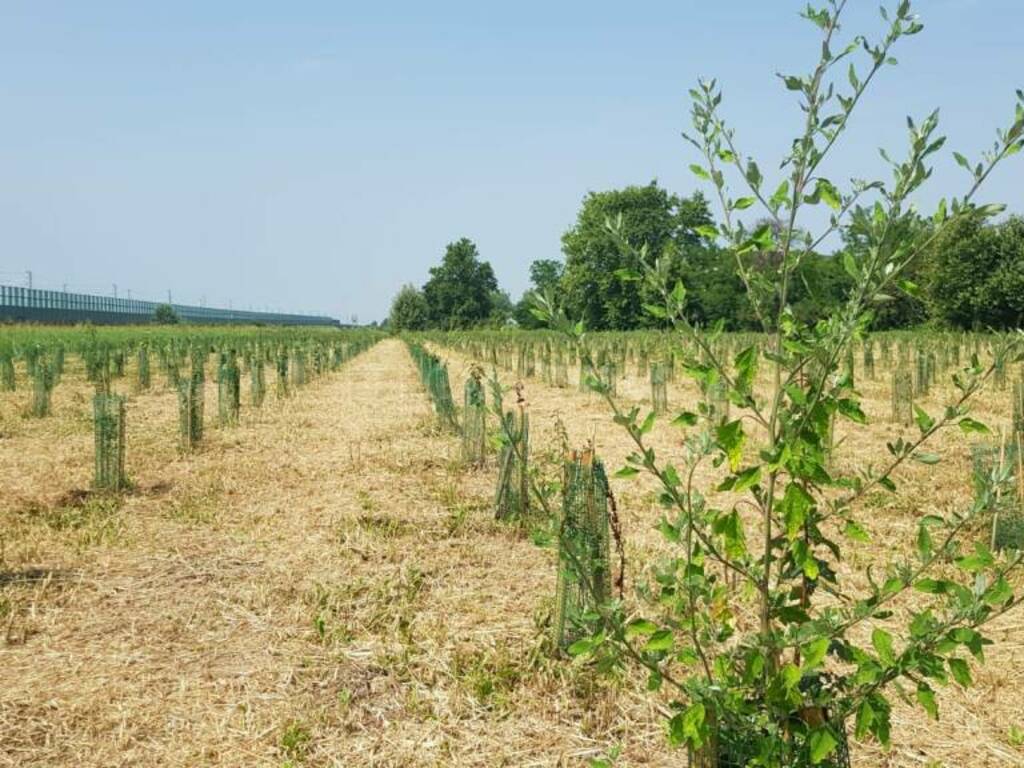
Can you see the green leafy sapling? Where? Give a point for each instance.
(771, 654)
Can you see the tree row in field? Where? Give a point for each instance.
(181, 356)
(971, 276)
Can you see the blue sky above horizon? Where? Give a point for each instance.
(317, 156)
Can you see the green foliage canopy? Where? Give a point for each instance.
(409, 310)
(651, 216)
(164, 314)
(459, 291)
(975, 275)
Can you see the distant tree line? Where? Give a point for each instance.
(970, 277)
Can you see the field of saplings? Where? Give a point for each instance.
(312, 547)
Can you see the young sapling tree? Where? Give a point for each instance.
(772, 663)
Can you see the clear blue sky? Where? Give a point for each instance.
(317, 155)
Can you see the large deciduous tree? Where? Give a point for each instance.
(545, 274)
(459, 291)
(409, 310)
(545, 277)
(976, 275)
(502, 309)
(666, 223)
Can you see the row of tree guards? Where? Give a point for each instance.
(296, 359)
(915, 363)
(585, 524)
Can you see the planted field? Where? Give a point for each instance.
(322, 580)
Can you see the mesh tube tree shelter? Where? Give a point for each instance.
(299, 367)
(440, 389)
(474, 419)
(109, 430)
(229, 390)
(143, 378)
(584, 563)
(257, 382)
(282, 373)
(512, 497)
(190, 412)
(7, 376)
(1000, 464)
(434, 375)
(659, 388)
(902, 395)
(42, 388)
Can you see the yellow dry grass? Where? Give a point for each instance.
(324, 585)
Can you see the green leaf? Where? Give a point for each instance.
(746, 368)
(926, 458)
(961, 672)
(581, 647)
(731, 439)
(810, 566)
(707, 230)
(998, 593)
(980, 560)
(687, 727)
(627, 472)
(850, 265)
(882, 642)
(685, 419)
(814, 653)
(656, 310)
(753, 174)
(791, 677)
(676, 737)
(627, 275)
(865, 717)
(640, 627)
(828, 193)
(822, 744)
(910, 288)
(924, 421)
(781, 194)
(730, 527)
(793, 83)
(693, 719)
(661, 640)
(700, 173)
(851, 409)
(678, 294)
(743, 203)
(648, 424)
(932, 586)
(795, 503)
(669, 531)
(746, 479)
(924, 543)
(972, 640)
(970, 426)
(926, 698)
(856, 532)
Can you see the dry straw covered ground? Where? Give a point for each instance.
(324, 585)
